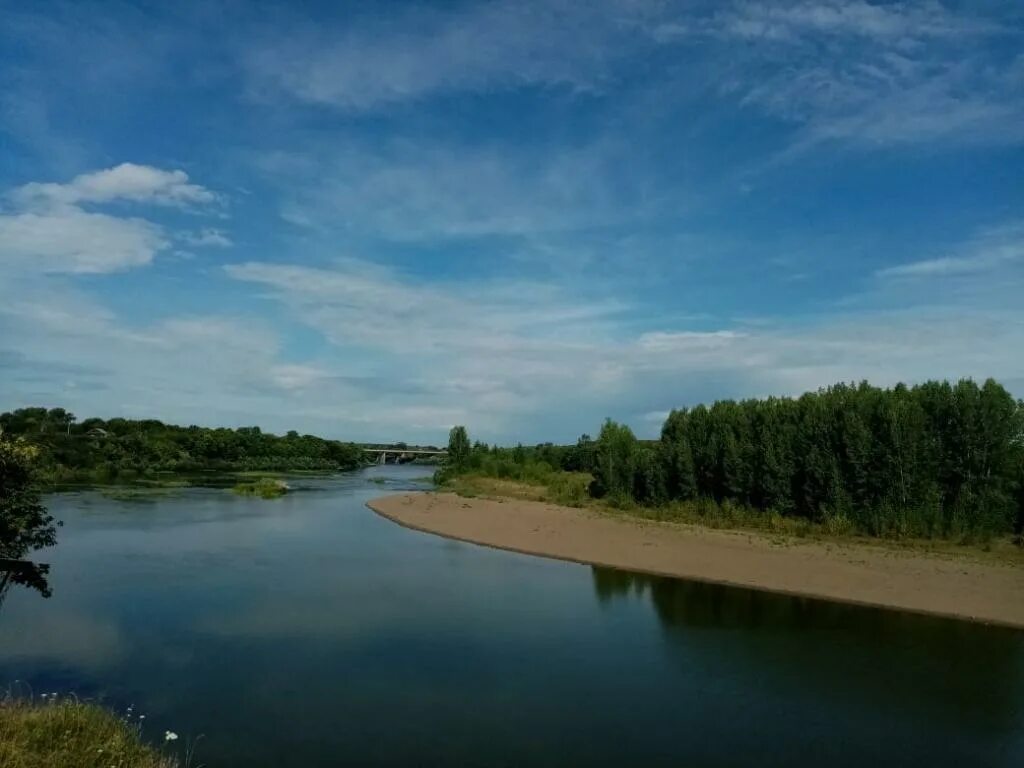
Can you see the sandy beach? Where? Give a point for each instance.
(855, 573)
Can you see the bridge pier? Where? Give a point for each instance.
(380, 455)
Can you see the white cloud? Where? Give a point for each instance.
(69, 239)
(410, 357)
(48, 229)
(128, 181)
(505, 358)
(297, 377)
(656, 417)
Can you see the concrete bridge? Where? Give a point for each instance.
(385, 455)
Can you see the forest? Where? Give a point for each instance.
(936, 460)
(99, 450)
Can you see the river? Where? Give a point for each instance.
(307, 631)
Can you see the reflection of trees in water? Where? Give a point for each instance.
(23, 573)
(684, 604)
(942, 667)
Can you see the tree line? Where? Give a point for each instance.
(103, 450)
(934, 460)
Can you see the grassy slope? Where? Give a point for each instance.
(569, 489)
(71, 734)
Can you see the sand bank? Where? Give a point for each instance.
(855, 573)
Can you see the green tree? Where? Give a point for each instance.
(930, 460)
(680, 482)
(616, 463)
(459, 447)
(25, 524)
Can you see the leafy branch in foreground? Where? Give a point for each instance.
(25, 525)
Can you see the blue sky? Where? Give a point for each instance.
(376, 220)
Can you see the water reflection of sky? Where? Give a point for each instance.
(299, 630)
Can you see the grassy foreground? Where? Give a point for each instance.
(71, 734)
(570, 489)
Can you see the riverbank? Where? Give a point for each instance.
(943, 585)
(71, 734)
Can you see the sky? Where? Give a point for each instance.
(375, 220)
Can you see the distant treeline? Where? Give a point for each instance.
(936, 460)
(103, 450)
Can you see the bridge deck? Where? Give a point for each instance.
(404, 450)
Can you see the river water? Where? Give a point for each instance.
(308, 631)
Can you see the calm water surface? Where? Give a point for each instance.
(307, 631)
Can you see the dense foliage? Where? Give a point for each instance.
(102, 450)
(522, 463)
(458, 446)
(931, 460)
(934, 460)
(25, 525)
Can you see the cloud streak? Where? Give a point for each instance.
(877, 74)
(427, 52)
(1000, 247)
(848, 71)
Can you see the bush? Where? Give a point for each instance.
(265, 488)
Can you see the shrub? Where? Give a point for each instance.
(265, 488)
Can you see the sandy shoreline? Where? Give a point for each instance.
(866, 575)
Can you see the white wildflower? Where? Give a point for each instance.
(170, 736)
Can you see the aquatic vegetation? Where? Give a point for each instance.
(130, 493)
(265, 488)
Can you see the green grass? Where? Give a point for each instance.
(72, 734)
(566, 488)
(265, 488)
